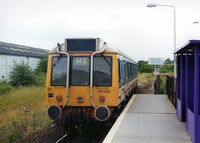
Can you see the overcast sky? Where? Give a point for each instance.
(128, 25)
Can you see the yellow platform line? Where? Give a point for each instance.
(112, 132)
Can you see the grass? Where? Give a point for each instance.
(12, 136)
(13, 117)
(16, 123)
(147, 79)
(5, 87)
(163, 81)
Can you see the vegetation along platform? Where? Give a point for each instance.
(148, 118)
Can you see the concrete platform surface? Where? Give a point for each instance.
(148, 119)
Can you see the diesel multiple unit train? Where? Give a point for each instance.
(88, 80)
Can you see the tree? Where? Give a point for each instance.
(166, 68)
(21, 74)
(144, 67)
(168, 61)
(42, 65)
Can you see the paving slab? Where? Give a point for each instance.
(148, 119)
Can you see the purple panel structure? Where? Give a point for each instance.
(178, 109)
(190, 83)
(178, 104)
(190, 87)
(187, 79)
(190, 92)
(196, 95)
(198, 130)
(190, 120)
(181, 90)
(183, 86)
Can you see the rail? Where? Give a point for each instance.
(62, 138)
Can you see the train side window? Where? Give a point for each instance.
(132, 67)
(119, 72)
(129, 71)
(59, 68)
(121, 69)
(124, 73)
(102, 71)
(136, 70)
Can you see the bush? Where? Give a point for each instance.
(143, 67)
(41, 70)
(21, 74)
(40, 78)
(5, 87)
(42, 65)
(167, 68)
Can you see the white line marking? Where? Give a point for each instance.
(112, 132)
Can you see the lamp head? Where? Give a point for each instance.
(195, 22)
(151, 5)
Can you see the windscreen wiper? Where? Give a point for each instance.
(105, 59)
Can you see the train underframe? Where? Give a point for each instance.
(78, 117)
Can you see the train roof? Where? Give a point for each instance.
(92, 45)
(115, 50)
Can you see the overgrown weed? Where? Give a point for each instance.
(14, 118)
(147, 80)
(5, 87)
(12, 136)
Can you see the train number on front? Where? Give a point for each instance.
(104, 91)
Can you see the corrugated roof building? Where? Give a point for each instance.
(13, 52)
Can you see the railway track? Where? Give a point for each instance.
(83, 135)
(62, 138)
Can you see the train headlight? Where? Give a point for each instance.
(54, 112)
(102, 113)
(80, 99)
(59, 98)
(102, 98)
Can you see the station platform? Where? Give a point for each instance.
(148, 119)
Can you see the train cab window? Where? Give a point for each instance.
(102, 71)
(59, 68)
(80, 71)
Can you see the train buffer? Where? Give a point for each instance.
(148, 119)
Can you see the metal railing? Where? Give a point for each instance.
(171, 89)
(157, 85)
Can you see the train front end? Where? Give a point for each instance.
(82, 80)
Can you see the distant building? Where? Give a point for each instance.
(12, 52)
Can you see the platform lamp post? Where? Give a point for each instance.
(154, 5)
(195, 22)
